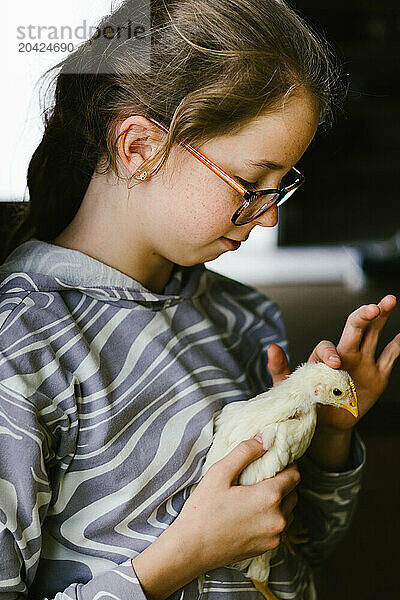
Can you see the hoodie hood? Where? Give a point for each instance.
(48, 267)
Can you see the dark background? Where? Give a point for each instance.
(364, 565)
(352, 194)
(351, 191)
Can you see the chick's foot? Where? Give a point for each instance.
(294, 536)
(262, 587)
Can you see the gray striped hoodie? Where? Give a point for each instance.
(107, 397)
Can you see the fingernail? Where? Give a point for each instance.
(374, 306)
(259, 438)
(334, 357)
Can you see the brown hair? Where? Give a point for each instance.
(214, 65)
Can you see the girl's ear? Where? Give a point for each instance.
(134, 144)
(318, 390)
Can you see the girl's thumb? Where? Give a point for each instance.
(278, 365)
(258, 437)
(242, 455)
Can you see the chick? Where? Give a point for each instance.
(286, 416)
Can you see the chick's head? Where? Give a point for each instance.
(327, 386)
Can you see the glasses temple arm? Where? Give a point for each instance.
(217, 170)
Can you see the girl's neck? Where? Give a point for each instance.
(100, 230)
(154, 280)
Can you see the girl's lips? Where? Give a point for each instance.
(231, 244)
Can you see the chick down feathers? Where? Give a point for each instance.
(286, 416)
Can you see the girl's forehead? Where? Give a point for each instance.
(281, 135)
(298, 113)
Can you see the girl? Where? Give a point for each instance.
(118, 345)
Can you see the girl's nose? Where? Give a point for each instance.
(269, 218)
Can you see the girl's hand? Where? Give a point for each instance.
(355, 353)
(226, 522)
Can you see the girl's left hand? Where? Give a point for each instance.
(355, 353)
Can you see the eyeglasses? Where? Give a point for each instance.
(256, 203)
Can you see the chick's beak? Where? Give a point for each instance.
(352, 404)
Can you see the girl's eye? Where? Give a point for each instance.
(251, 185)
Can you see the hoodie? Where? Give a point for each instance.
(107, 397)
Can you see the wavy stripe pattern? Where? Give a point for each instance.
(107, 397)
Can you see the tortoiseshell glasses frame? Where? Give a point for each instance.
(252, 199)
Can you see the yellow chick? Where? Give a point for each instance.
(286, 416)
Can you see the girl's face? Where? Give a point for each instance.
(186, 209)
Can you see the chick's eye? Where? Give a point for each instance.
(337, 392)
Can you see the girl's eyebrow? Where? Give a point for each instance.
(263, 163)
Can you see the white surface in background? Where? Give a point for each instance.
(21, 123)
(274, 265)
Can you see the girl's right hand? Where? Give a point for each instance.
(226, 522)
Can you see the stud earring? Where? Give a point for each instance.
(140, 175)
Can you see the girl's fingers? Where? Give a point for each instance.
(288, 503)
(326, 352)
(369, 343)
(278, 364)
(388, 357)
(356, 325)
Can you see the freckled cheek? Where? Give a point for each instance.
(215, 219)
(207, 215)
(199, 227)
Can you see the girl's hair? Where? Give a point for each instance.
(214, 65)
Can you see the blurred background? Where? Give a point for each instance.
(337, 244)
(349, 207)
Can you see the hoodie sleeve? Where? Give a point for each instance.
(25, 494)
(326, 502)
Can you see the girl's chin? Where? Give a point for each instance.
(219, 246)
(231, 244)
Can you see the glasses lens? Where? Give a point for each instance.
(287, 180)
(262, 202)
(285, 197)
(256, 207)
